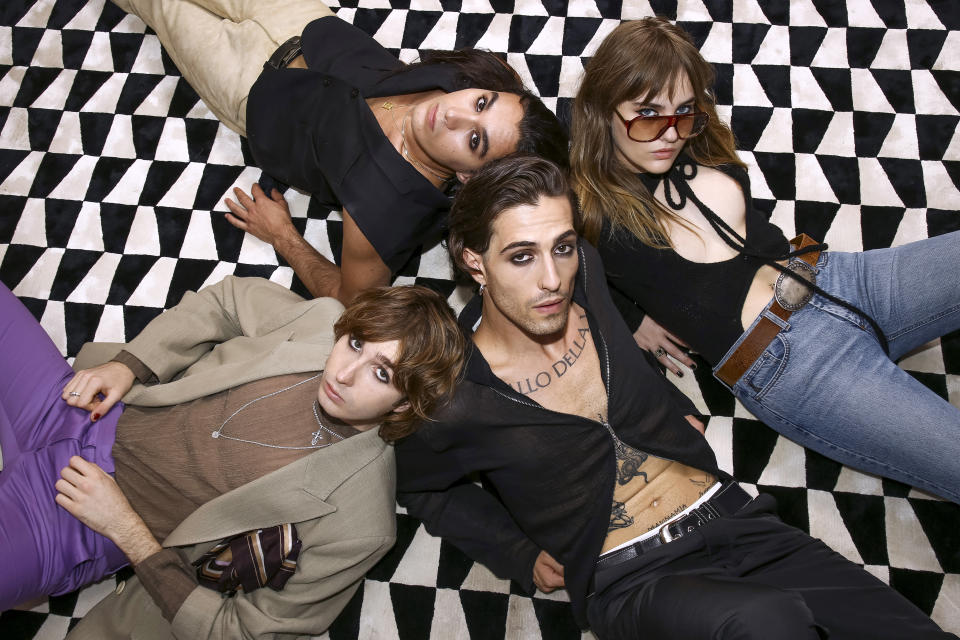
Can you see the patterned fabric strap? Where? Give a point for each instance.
(250, 560)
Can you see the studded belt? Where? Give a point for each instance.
(284, 54)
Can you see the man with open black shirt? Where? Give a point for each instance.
(600, 478)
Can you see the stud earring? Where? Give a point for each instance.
(482, 287)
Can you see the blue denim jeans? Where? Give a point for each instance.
(825, 382)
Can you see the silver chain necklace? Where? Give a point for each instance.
(316, 414)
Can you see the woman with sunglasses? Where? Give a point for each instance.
(691, 263)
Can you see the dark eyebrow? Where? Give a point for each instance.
(384, 360)
(484, 139)
(659, 107)
(566, 235)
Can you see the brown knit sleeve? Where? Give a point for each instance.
(140, 370)
(168, 580)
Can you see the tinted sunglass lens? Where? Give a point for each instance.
(646, 129)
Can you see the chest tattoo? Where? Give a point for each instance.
(629, 461)
(558, 368)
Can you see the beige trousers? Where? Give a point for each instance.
(220, 45)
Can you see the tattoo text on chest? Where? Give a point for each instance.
(544, 378)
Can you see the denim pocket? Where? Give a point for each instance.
(768, 367)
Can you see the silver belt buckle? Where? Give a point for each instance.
(789, 293)
(665, 535)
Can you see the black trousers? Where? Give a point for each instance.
(750, 576)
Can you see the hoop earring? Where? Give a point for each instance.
(482, 288)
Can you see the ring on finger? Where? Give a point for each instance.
(74, 394)
(660, 352)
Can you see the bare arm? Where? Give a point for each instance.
(268, 218)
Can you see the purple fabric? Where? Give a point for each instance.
(43, 549)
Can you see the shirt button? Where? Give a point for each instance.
(121, 587)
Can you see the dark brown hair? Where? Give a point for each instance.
(431, 353)
(512, 181)
(637, 60)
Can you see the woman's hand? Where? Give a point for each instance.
(98, 389)
(267, 218)
(547, 573)
(663, 345)
(92, 496)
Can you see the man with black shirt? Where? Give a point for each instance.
(600, 478)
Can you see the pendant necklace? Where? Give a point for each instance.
(316, 434)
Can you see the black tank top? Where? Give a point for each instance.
(699, 302)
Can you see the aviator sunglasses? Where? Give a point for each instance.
(649, 128)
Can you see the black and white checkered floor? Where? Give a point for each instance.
(112, 175)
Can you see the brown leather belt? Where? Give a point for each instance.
(765, 330)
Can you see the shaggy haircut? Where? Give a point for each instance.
(430, 356)
(513, 181)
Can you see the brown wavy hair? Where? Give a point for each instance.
(430, 356)
(638, 60)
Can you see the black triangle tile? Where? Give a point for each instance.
(21, 625)
(809, 126)
(556, 620)
(843, 174)
(125, 47)
(418, 27)
(370, 20)
(805, 44)
(893, 14)
(792, 505)
(665, 8)
(905, 175)
(136, 318)
(545, 71)
(920, 587)
(106, 174)
(10, 159)
(146, 134)
(897, 87)
(753, 443)
(53, 167)
(42, 125)
(347, 624)
(85, 84)
(188, 275)
(228, 238)
(577, 34)
(131, 269)
(73, 268)
(4, 113)
(35, 81)
(76, 44)
(183, 101)
(173, 229)
(779, 170)
(862, 45)
(115, 222)
(18, 259)
(214, 183)
(451, 6)
(894, 489)
(160, 177)
(775, 81)
(950, 347)
(723, 86)
(35, 306)
(718, 399)
(94, 129)
(940, 221)
(870, 129)
(776, 11)
(442, 286)
(949, 83)
(814, 218)
(502, 6)
(81, 321)
(523, 31)
(613, 9)
(25, 41)
(417, 604)
(822, 472)
(245, 150)
(387, 565)
(939, 522)
(865, 518)
(924, 46)
(12, 12)
(747, 39)
(933, 381)
(698, 31)
(947, 13)
(720, 10)
(60, 217)
(256, 271)
(953, 170)
(879, 225)
(834, 14)
(12, 208)
(934, 134)
(486, 614)
(471, 27)
(62, 14)
(454, 566)
(110, 17)
(835, 84)
(136, 88)
(555, 7)
(748, 124)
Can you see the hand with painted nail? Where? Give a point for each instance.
(96, 390)
(666, 347)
